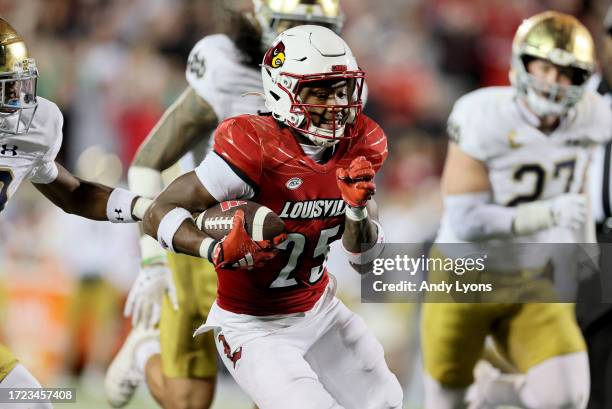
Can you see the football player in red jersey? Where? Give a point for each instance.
(180, 371)
(280, 330)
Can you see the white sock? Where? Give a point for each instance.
(145, 351)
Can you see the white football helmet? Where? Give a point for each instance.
(565, 42)
(302, 55)
(271, 13)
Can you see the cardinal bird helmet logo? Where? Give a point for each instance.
(275, 57)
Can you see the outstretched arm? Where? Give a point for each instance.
(92, 200)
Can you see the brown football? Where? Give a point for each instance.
(260, 222)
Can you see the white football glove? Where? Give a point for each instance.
(145, 298)
(568, 210)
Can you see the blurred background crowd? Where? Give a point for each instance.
(113, 66)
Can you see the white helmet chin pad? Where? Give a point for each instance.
(331, 139)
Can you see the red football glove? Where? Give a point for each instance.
(356, 183)
(238, 249)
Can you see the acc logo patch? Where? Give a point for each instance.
(275, 56)
(294, 183)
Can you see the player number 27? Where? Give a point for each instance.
(565, 167)
(6, 177)
(299, 242)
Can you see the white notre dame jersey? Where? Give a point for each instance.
(31, 155)
(217, 74)
(524, 164)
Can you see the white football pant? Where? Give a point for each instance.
(329, 360)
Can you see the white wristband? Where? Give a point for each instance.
(119, 206)
(205, 247)
(169, 224)
(370, 254)
(356, 213)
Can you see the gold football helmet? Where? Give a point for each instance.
(276, 16)
(18, 75)
(562, 40)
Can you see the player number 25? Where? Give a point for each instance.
(299, 242)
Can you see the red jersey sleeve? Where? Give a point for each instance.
(238, 144)
(371, 142)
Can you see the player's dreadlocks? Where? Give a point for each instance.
(246, 35)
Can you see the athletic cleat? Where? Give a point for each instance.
(123, 376)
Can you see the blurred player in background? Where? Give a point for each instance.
(279, 329)
(515, 172)
(102, 275)
(595, 316)
(221, 69)
(30, 138)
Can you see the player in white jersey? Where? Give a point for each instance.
(30, 138)
(224, 78)
(515, 173)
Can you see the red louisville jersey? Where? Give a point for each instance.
(304, 194)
